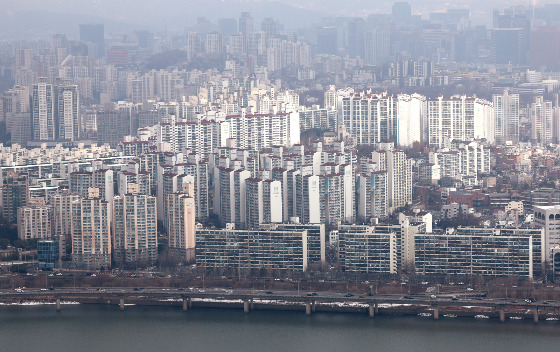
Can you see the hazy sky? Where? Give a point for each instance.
(44, 16)
(128, 9)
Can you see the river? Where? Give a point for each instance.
(106, 328)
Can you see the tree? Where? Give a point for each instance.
(4, 243)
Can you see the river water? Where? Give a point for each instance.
(106, 328)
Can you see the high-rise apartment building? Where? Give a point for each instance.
(369, 117)
(371, 194)
(134, 228)
(15, 194)
(213, 43)
(44, 112)
(411, 119)
(68, 113)
(307, 191)
(542, 124)
(506, 117)
(245, 24)
(463, 118)
(399, 174)
(91, 232)
(229, 195)
(34, 222)
(193, 45)
(181, 224)
(112, 126)
(55, 112)
(61, 209)
(263, 202)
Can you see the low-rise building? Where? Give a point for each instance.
(249, 250)
(474, 253)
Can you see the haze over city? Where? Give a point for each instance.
(316, 166)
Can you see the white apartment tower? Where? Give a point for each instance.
(463, 118)
(263, 203)
(411, 112)
(542, 121)
(399, 174)
(68, 113)
(506, 117)
(369, 117)
(44, 112)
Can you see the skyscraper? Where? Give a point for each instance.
(356, 38)
(401, 12)
(95, 34)
(245, 24)
(227, 26)
(246, 27)
(327, 40)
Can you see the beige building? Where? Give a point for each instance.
(91, 231)
(181, 224)
(34, 222)
(134, 228)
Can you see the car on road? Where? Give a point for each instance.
(348, 295)
(269, 292)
